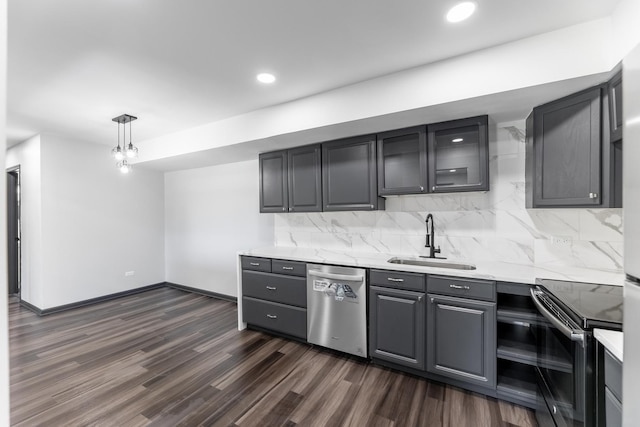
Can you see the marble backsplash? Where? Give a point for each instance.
(487, 226)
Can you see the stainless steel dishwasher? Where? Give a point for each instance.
(337, 308)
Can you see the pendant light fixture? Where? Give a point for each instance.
(121, 154)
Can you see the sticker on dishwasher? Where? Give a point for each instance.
(320, 285)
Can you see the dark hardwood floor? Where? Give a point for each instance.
(172, 358)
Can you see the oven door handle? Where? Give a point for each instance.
(573, 335)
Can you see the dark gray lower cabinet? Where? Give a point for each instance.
(461, 339)
(274, 295)
(612, 390)
(396, 326)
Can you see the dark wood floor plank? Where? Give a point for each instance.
(171, 358)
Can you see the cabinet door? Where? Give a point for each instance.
(614, 88)
(459, 155)
(402, 161)
(396, 326)
(274, 194)
(461, 339)
(305, 179)
(567, 139)
(349, 175)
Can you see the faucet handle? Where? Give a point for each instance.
(436, 250)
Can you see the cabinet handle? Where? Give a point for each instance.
(271, 288)
(272, 316)
(433, 188)
(284, 209)
(371, 206)
(256, 264)
(419, 298)
(392, 279)
(290, 209)
(465, 287)
(593, 195)
(421, 188)
(432, 300)
(287, 268)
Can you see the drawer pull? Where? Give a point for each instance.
(256, 264)
(393, 279)
(272, 316)
(287, 268)
(465, 287)
(271, 288)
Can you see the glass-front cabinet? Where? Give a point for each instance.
(458, 155)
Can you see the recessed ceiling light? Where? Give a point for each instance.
(461, 11)
(457, 140)
(266, 78)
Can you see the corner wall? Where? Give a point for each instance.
(84, 224)
(211, 214)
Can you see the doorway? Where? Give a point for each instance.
(13, 231)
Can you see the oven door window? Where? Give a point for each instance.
(561, 364)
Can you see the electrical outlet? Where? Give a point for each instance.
(129, 273)
(561, 240)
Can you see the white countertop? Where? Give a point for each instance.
(612, 340)
(501, 271)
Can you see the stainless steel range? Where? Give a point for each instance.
(566, 357)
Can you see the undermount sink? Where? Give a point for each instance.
(432, 263)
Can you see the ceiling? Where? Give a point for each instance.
(73, 64)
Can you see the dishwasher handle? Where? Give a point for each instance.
(333, 276)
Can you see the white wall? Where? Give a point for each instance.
(4, 340)
(626, 31)
(576, 51)
(27, 155)
(97, 223)
(84, 223)
(211, 214)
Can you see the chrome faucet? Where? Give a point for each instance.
(431, 242)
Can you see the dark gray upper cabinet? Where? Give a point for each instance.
(349, 178)
(402, 161)
(564, 140)
(459, 155)
(461, 339)
(274, 194)
(397, 326)
(291, 180)
(614, 89)
(305, 179)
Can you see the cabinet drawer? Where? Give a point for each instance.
(468, 288)
(276, 317)
(275, 287)
(612, 408)
(613, 374)
(254, 263)
(397, 279)
(291, 268)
